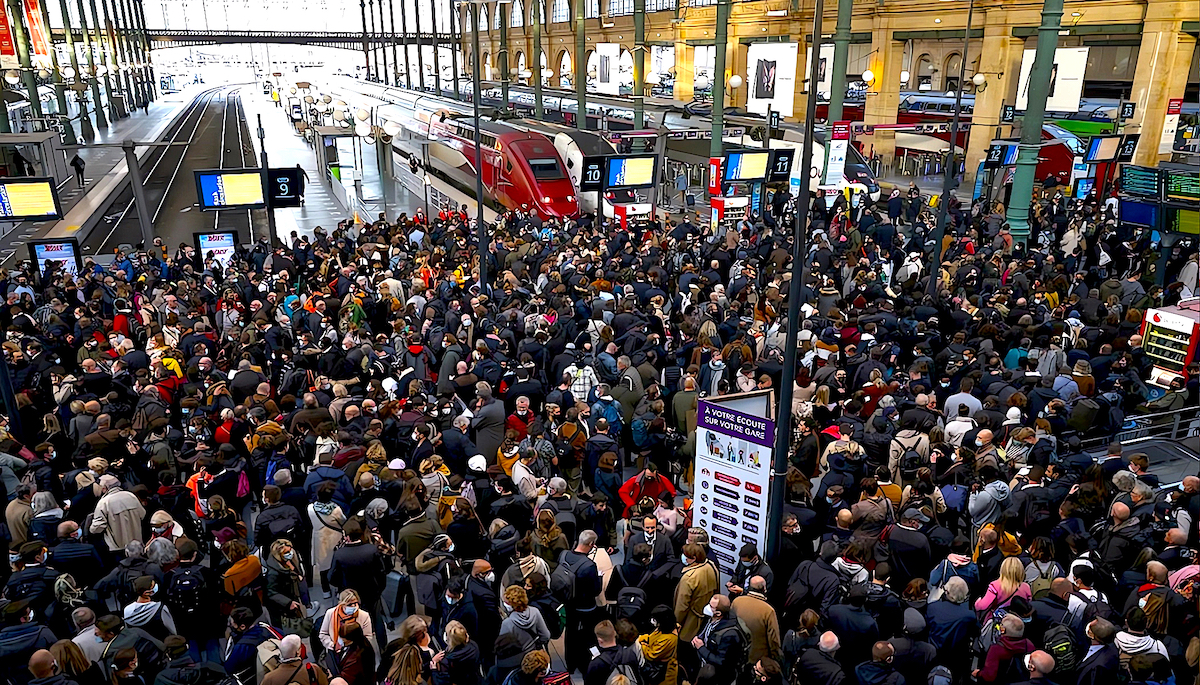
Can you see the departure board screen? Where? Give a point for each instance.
(747, 166)
(230, 188)
(1181, 186)
(1139, 180)
(34, 199)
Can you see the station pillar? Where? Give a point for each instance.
(685, 72)
(883, 98)
(1002, 70)
(1163, 64)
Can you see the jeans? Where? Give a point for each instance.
(205, 650)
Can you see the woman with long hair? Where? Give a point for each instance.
(285, 583)
(805, 635)
(458, 663)
(47, 514)
(242, 579)
(74, 664)
(1011, 583)
(408, 659)
(356, 660)
(327, 519)
(347, 610)
(548, 540)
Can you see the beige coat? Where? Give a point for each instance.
(118, 516)
(696, 587)
(325, 538)
(760, 619)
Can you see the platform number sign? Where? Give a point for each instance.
(995, 157)
(1008, 115)
(1127, 110)
(1129, 143)
(781, 165)
(774, 119)
(591, 176)
(284, 187)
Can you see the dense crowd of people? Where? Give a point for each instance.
(342, 458)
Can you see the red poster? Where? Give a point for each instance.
(1175, 106)
(7, 47)
(39, 33)
(841, 130)
(714, 176)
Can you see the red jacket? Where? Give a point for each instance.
(634, 490)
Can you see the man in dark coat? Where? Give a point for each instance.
(952, 625)
(1102, 657)
(358, 565)
(21, 636)
(855, 626)
(819, 664)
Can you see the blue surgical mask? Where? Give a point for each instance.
(349, 610)
(289, 555)
(746, 564)
(450, 600)
(686, 561)
(154, 589)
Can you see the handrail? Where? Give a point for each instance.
(1168, 425)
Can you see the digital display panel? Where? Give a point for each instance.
(64, 251)
(781, 165)
(1181, 186)
(220, 245)
(34, 199)
(1139, 213)
(1139, 180)
(636, 171)
(1083, 187)
(1102, 149)
(231, 188)
(747, 166)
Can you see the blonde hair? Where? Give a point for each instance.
(346, 596)
(1012, 575)
(456, 634)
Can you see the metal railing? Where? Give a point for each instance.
(1170, 425)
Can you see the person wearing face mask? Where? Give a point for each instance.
(286, 593)
(21, 636)
(348, 609)
(480, 592)
(879, 670)
(721, 645)
(456, 606)
(71, 554)
(147, 611)
(697, 586)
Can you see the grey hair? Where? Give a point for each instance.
(1141, 489)
(83, 617)
(462, 422)
(587, 538)
(1124, 480)
(377, 508)
(135, 550)
(283, 477)
(956, 591)
(43, 502)
(558, 485)
(1013, 626)
(289, 647)
(162, 551)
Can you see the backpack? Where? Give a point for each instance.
(268, 656)
(631, 601)
(562, 580)
(1040, 587)
(1059, 641)
(565, 519)
(640, 431)
(910, 462)
(185, 596)
(1157, 612)
(940, 675)
(740, 658)
(631, 672)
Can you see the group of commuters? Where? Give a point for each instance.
(341, 458)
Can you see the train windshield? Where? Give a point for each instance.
(546, 169)
(856, 170)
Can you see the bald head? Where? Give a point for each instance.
(985, 436)
(758, 584)
(480, 568)
(882, 651)
(41, 664)
(1177, 536)
(829, 642)
(1120, 512)
(1156, 572)
(1061, 587)
(1041, 664)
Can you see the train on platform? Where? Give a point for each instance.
(521, 170)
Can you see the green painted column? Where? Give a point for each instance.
(123, 35)
(60, 85)
(101, 121)
(841, 57)
(21, 37)
(505, 19)
(85, 120)
(455, 45)
(114, 52)
(1031, 124)
(639, 64)
(580, 65)
(538, 13)
(716, 146)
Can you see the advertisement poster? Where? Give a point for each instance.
(1166, 144)
(835, 170)
(218, 189)
(8, 48)
(39, 33)
(66, 252)
(1066, 79)
(771, 74)
(220, 246)
(824, 70)
(607, 57)
(733, 480)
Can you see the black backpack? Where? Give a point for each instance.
(562, 580)
(1059, 642)
(186, 595)
(910, 462)
(631, 601)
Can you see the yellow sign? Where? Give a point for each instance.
(27, 199)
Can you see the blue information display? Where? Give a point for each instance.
(747, 166)
(230, 189)
(630, 171)
(1139, 213)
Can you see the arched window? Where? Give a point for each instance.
(566, 72)
(560, 11)
(950, 72)
(591, 9)
(499, 17)
(516, 18)
(924, 73)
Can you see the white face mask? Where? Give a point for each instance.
(708, 610)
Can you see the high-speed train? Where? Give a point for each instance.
(521, 169)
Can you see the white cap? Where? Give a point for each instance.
(396, 464)
(477, 463)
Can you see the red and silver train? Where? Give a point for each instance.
(521, 169)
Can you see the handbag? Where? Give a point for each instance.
(297, 625)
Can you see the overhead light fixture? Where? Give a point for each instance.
(905, 76)
(937, 21)
(777, 13)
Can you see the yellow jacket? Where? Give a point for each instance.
(662, 647)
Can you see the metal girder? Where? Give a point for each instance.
(175, 37)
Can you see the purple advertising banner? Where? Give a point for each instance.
(734, 423)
